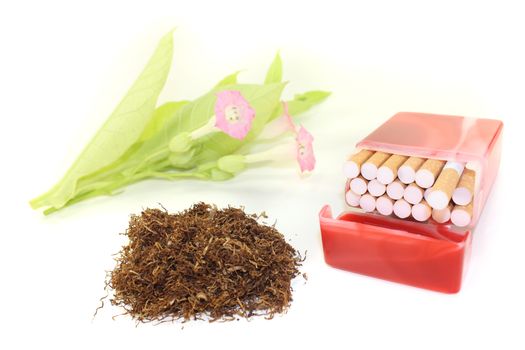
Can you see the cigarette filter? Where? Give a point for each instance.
(442, 215)
(402, 209)
(413, 194)
(376, 188)
(407, 171)
(445, 185)
(428, 172)
(421, 211)
(461, 215)
(369, 168)
(359, 185)
(352, 199)
(352, 167)
(385, 205)
(465, 189)
(388, 171)
(367, 202)
(395, 190)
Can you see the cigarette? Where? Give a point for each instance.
(462, 215)
(352, 167)
(369, 168)
(376, 188)
(359, 185)
(445, 185)
(421, 211)
(413, 194)
(367, 202)
(465, 190)
(388, 171)
(407, 171)
(427, 193)
(395, 190)
(385, 205)
(442, 215)
(428, 172)
(402, 209)
(352, 199)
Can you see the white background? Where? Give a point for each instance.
(64, 66)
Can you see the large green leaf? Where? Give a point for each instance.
(228, 80)
(275, 72)
(122, 128)
(303, 102)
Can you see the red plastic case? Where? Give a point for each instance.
(427, 255)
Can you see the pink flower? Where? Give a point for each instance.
(233, 114)
(278, 126)
(305, 150)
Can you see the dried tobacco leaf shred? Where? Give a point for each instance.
(203, 263)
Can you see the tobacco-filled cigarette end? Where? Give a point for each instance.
(352, 199)
(384, 205)
(402, 209)
(367, 202)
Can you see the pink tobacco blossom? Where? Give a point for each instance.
(305, 150)
(233, 114)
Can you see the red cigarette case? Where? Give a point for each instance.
(426, 255)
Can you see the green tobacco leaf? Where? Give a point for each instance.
(228, 80)
(303, 102)
(275, 72)
(122, 128)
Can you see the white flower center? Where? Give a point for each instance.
(233, 114)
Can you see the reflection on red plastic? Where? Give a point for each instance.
(422, 255)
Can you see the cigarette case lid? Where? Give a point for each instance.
(435, 136)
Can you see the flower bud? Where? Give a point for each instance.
(233, 163)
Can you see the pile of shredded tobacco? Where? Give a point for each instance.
(203, 263)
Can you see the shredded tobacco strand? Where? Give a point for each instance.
(203, 263)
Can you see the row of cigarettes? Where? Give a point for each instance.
(410, 186)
